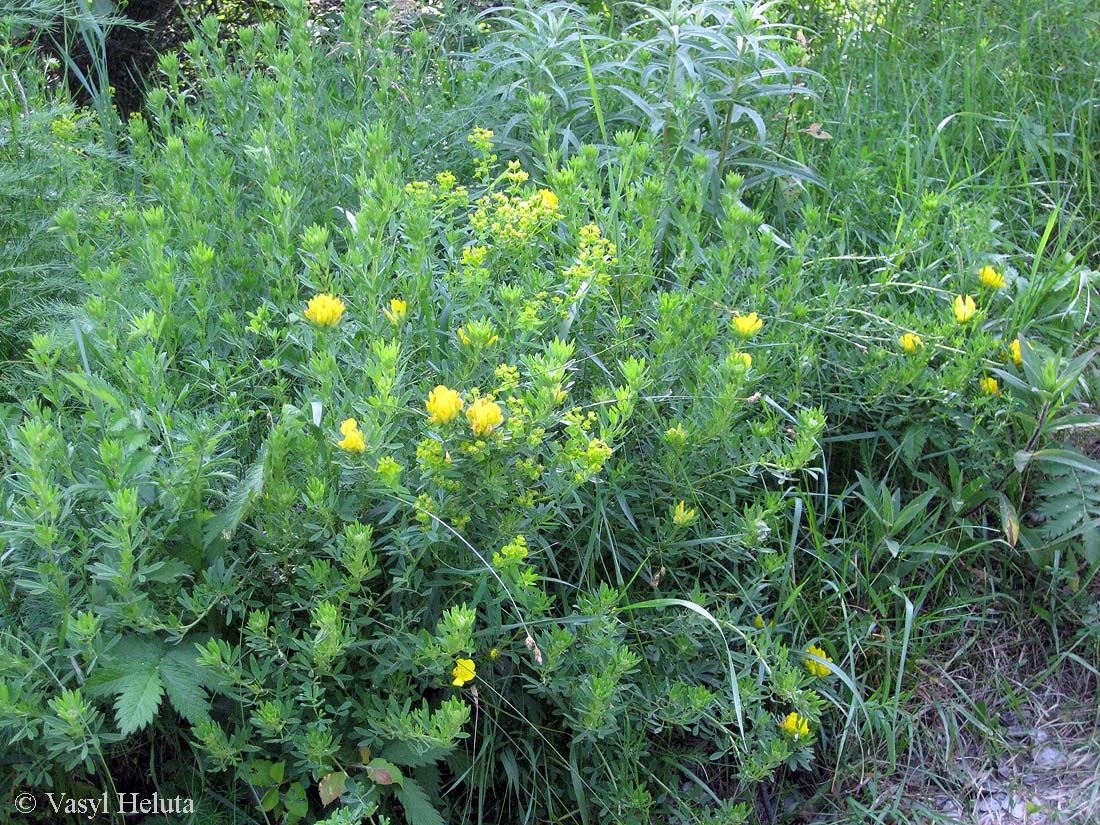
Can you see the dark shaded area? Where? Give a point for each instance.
(132, 53)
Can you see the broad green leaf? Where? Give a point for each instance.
(136, 705)
(270, 800)
(182, 682)
(418, 808)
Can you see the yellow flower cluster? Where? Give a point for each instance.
(795, 726)
(991, 278)
(965, 308)
(595, 257)
(397, 311)
(747, 325)
(676, 436)
(515, 174)
(483, 416)
(389, 471)
(353, 439)
(1015, 352)
(815, 667)
(478, 335)
(481, 138)
(325, 310)
(683, 515)
(474, 272)
(740, 361)
(512, 553)
(989, 386)
(910, 342)
(444, 404)
(512, 220)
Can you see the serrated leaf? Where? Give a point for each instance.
(244, 495)
(118, 664)
(411, 755)
(332, 785)
(182, 682)
(166, 571)
(95, 386)
(136, 705)
(418, 808)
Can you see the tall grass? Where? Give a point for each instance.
(956, 132)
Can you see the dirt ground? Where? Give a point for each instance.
(1026, 741)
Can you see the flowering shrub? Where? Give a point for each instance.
(383, 500)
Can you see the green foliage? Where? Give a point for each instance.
(378, 475)
(699, 77)
(44, 167)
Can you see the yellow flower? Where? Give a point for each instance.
(549, 199)
(964, 308)
(478, 335)
(353, 439)
(1015, 352)
(325, 310)
(795, 726)
(494, 653)
(815, 667)
(676, 436)
(989, 386)
(991, 277)
(740, 360)
(747, 325)
(683, 515)
(483, 416)
(443, 404)
(397, 311)
(910, 342)
(464, 672)
(758, 622)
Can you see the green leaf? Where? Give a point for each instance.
(136, 705)
(244, 495)
(413, 755)
(166, 571)
(418, 808)
(1066, 458)
(270, 800)
(295, 801)
(182, 682)
(94, 386)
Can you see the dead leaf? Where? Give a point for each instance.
(816, 132)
